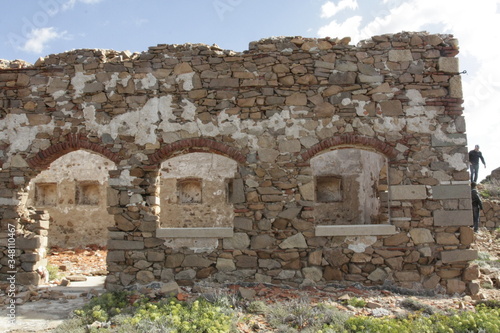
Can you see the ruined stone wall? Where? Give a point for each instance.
(272, 111)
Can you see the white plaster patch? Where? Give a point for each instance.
(78, 81)
(360, 108)
(415, 98)
(186, 80)
(456, 161)
(125, 179)
(389, 124)
(189, 111)
(149, 81)
(420, 125)
(360, 243)
(200, 245)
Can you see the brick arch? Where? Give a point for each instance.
(346, 141)
(73, 142)
(196, 145)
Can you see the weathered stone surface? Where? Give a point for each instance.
(298, 156)
(458, 255)
(295, 241)
(238, 241)
(445, 218)
(408, 192)
(378, 275)
(145, 277)
(335, 257)
(421, 236)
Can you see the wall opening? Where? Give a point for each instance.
(189, 191)
(46, 194)
(194, 191)
(349, 187)
(74, 192)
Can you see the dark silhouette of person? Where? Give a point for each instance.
(474, 157)
(477, 204)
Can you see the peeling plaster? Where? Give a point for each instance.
(186, 79)
(360, 243)
(78, 81)
(456, 161)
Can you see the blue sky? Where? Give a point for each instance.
(30, 29)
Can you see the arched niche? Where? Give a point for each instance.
(197, 190)
(351, 189)
(74, 192)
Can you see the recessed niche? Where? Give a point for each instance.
(87, 193)
(328, 188)
(189, 191)
(46, 194)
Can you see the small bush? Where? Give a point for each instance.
(356, 302)
(415, 305)
(54, 273)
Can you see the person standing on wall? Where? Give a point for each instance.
(477, 204)
(474, 156)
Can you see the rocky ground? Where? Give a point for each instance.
(83, 264)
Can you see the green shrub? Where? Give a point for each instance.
(415, 305)
(356, 302)
(104, 307)
(54, 273)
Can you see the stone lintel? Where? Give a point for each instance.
(408, 192)
(445, 218)
(355, 230)
(451, 192)
(449, 140)
(458, 255)
(194, 232)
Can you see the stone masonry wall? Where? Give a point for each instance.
(271, 109)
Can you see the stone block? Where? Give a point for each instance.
(456, 87)
(400, 55)
(458, 256)
(449, 140)
(145, 277)
(355, 230)
(443, 192)
(194, 260)
(115, 244)
(341, 78)
(262, 242)
(243, 223)
(445, 218)
(295, 241)
(421, 236)
(446, 238)
(407, 276)
(239, 241)
(448, 65)
(408, 192)
(225, 265)
(115, 256)
(313, 273)
(455, 286)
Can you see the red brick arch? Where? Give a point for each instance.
(346, 141)
(72, 143)
(196, 145)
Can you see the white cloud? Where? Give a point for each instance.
(330, 9)
(71, 3)
(38, 39)
(348, 28)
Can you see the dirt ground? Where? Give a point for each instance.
(50, 305)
